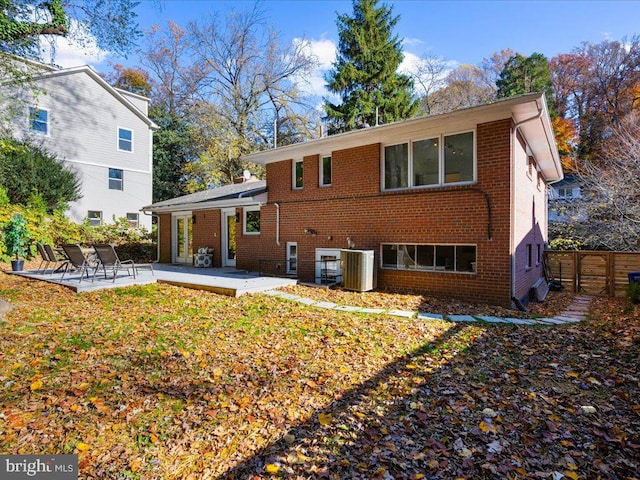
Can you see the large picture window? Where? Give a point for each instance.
(436, 161)
(433, 258)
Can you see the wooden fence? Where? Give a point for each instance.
(593, 272)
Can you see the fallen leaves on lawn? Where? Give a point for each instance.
(162, 382)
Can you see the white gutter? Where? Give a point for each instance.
(277, 223)
(233, 202)
(514, 139)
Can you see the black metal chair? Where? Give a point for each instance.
(77, 259)
(58, 263)
(45, 258)
(108, 260)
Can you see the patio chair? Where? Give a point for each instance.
(108, 260)
(77, 260)
(45, 258)
(58, 263)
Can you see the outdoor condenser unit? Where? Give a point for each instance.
(357, 270)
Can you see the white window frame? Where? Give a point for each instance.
(30, 117)
(435, 268)
(92, 219)
(118, 139)
(133, 222)
(246, 210)
(116, 179)
(293, 175)
(291, 257)
(441, 161)
(321, 171)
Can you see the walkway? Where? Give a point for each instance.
(576, 312)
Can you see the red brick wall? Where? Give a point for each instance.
(354, 207)
(206, 233)
(164, 237)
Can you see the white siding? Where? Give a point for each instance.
(84, 118)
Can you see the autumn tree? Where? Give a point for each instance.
(365, 74)
(250, 79)
(595, 86)
(462, 87)
(175, 80)
(612, 182)
(134, 80)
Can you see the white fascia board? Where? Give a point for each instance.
(393, 132)
(214, 204)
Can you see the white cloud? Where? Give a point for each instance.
(77, 49)
(324, 52)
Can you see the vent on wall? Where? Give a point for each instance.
(357, 270)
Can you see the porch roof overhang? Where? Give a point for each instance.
(237, 195)
(528, 112)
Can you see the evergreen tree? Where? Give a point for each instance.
(365, 74)
(28, 170)
(526, 75)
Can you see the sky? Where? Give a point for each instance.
(461, 32)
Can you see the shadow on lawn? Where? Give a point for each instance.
(358, 437)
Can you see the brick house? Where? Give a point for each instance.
(452, 204)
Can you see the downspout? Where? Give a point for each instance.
(157, 260)
(514, 139)
(277, 223)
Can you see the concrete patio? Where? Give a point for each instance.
(224, 281)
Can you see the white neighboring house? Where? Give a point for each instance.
(565, 200)
(101, 132)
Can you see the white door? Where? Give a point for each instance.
(292, 258)
(182, 238)
(328, 265)
(229, 238)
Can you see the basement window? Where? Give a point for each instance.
(429, 258)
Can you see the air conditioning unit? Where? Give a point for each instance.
(358, 270)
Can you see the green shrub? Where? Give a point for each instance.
(633, 292)
(565, 244)
(15, 237)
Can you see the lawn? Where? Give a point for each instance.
(163, 382)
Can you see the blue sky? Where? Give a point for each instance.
(459, 31)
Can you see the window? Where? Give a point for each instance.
(452, 258)
(539, 256)
(458, 158)
(565, 192)
(292, 257)
(529, 255)
(39, 120)
(95, 217)
(125, 140)
(426, 162)
(115, 179)
(298, 174)
(325, 171)
(133, 219)
(251, 221)
(442, 160)
(396, 171)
